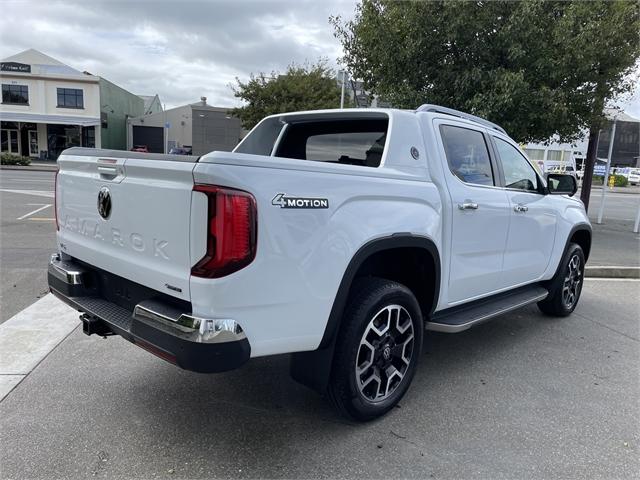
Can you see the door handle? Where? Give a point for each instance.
(468, 205)
(521, 208)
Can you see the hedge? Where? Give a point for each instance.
(620, 180)
(13, 159)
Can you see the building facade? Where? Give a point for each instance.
(117, 105)
(625, 153)
(198, 127)
(626, 143)
(47, 106)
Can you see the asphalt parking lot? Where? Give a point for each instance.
(27, 237)
(524, 396)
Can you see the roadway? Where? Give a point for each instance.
(27, 237)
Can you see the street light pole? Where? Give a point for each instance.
(606, 173)
(342, 94)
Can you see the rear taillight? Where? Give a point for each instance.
(231, 231)
(55, 199)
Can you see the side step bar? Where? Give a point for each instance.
(457, 319)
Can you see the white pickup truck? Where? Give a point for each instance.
(338, 236)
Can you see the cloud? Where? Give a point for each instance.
(180, 49)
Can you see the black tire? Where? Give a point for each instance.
(375, 300)
(559, 303)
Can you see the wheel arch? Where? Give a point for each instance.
(581, 234)
(314, 368)
(367, 261)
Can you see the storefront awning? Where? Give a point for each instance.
(56, 119)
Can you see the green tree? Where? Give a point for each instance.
(306, 87)
(602, 45)
(535, 67)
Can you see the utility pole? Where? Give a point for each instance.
(607, 170)
(342, 94)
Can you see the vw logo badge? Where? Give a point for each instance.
(386, 353)
(104, 202)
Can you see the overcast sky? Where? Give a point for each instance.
(181, 50)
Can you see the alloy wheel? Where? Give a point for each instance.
(572, 281)
(384, 353)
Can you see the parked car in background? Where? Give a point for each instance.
(140, 148)
(634, 176)
(180, 150)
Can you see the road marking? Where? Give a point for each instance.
(35, 211)
(37, 193)
(29, 336)
(41, 219)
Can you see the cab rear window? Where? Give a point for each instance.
(351, 142)
(357, 139)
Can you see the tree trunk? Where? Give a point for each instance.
(587, 169)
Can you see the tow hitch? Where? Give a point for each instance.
(92, 325)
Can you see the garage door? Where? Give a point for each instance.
(152, 137)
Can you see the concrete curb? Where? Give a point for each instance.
(612, 272)
(631, 191)
(33, 168)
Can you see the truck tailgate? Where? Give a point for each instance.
(129, 216)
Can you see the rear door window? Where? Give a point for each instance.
(467, 154)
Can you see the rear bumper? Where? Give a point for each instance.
(193, 343)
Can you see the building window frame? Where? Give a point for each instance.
(70, 98)
(10, 89)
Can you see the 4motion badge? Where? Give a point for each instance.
(282, 200)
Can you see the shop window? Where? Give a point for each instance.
(16, 94)
(89, 137)
(70, 98)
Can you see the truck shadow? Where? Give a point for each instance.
(263, 385)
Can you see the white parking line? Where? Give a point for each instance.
(37, 193)
(35, 211)
(29, 336)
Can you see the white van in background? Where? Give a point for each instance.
(550, 160)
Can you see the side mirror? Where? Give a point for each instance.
(560, 184)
